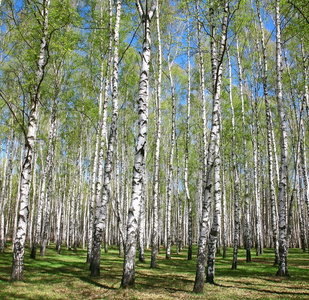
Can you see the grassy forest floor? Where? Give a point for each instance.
(66, 276)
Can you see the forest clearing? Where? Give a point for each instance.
(66, 276)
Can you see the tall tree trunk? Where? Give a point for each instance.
(213, 148)
(235, 174)
(155, 217)
(273, 200)
(19, 241)
(224, 213)
(5, 190)
(169, 183)
(141, 225)
(188, 198)
(49, 166)
(100, 134)
(282, 192)
(101, 209)
(244, 132)
(128, 277)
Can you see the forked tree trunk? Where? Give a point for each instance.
(100, 135)
(101, 209)
(213, 148)
(128, 277)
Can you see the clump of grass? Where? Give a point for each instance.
(66, 276)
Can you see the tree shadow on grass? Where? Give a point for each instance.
(89, 280)
(251, 287)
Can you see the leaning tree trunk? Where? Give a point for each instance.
(19, 241)
(213, 148)
(128, 277)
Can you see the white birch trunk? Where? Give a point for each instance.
(101, 208)
(282, 192)
(271, 170)
(155, 216)
(19, 241)
(5, 190)
(235, 174)
(128, 278)
(244, 131)
(187, 192)
(213, 147)
(171, 165)
(49, 166)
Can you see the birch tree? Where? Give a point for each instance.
(30, 138)
(154, 238)
(282, 192)
(213, 146)
(101, 208)
(128, 277)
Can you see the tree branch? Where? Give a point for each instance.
(13, 113)
(140, 8)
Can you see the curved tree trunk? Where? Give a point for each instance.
(19, 241)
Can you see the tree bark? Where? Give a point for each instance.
(213, 147)
(19, 241)
(128, 277)
(101, 209)
(282, 192)
(155, 217)
(244, 132)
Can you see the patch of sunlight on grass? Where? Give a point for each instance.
(66, 276)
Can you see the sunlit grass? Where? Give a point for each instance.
(66, 276)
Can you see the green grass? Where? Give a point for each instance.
(66, 276)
